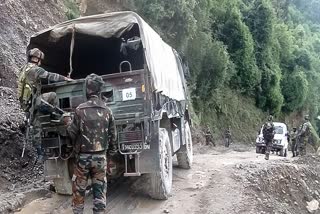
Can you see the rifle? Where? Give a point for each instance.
(27, 121)
(27, 136)
(46, 107)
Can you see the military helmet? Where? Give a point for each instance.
(93, 84)
(35, 52)
(306, 117)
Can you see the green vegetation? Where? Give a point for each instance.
(265, 51)
(72, 11)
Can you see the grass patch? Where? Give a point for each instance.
(229, 108)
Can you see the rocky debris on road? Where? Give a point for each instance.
(312, 206)
(10, 203)
(283, 186)
(13, 201)
(15, 171)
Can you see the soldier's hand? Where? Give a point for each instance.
(68, 79)
(66, 119)
(113, 150)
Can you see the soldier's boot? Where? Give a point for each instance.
(267, 156)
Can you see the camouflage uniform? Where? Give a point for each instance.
(268, 134)
(304, 135)
(32, 76)
(293, 139)
(92, 131)
(208, 135)
(227, 136)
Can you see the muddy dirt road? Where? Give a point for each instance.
(212, 186)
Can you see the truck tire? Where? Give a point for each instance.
(161, 182)
(62, 182)
(185, 154)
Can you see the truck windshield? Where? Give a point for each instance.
(279, 129)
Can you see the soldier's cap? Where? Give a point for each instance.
(36, 52)
(94, 84)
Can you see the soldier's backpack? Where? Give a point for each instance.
(267, 131)
(24, 89)
(306, 129)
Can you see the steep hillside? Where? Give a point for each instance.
(19, 19)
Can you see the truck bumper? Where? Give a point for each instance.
(277, 147)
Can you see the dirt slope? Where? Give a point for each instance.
(19, 19)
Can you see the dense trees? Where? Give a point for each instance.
(265, 49)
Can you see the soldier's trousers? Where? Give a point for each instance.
(294, 147)
(90, 165)
(268, 145)
(303, 145)
(227, 142)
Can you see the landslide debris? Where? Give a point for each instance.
(20, 19)
(284, 186)
(15, 171)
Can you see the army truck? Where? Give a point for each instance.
(144, 86)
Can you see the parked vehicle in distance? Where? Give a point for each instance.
(280, 140)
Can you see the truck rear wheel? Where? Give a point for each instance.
(161, 182)
(185, 154)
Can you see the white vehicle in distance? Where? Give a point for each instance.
(280, 140)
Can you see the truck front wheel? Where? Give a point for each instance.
(161, 182)
(185, 154)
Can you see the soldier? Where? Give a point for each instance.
(208, 136)
(227, 136)
(29, 93)
(293, 139)
(304, 135)
(92, 131)
(268, 134)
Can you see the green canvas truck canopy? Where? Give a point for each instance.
(161, 59)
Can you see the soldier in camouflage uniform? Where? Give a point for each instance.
(304, 135)
(29, 92)
(208, 135)
(293, 139)
(227, 136)
(268, 134)
(92, 131)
